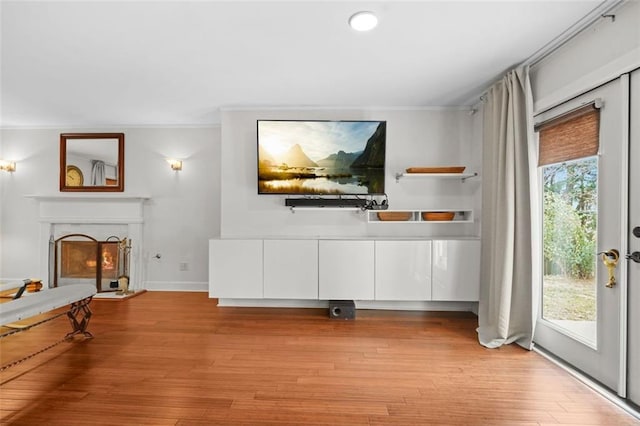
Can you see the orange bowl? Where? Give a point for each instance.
(438, 216)
(397, 216)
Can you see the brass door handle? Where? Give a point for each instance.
(610, 259)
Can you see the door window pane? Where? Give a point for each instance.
(570, 206)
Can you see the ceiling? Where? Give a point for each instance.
(171, 63)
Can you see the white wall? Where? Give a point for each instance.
(181, 216)
(595, 56)
(414, 138)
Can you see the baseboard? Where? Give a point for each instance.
(273, 303)
(360, 304)
(418, 306)
(176, 286)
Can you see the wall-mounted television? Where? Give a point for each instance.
(321, 157)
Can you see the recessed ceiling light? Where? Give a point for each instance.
(363, 21)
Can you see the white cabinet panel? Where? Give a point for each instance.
(383, 270)
(403, 270)
(291, 269)
(456, 270)
(235, 269)
(346, 270)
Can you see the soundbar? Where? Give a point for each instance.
(325, 202)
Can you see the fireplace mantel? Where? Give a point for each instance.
(91, 210)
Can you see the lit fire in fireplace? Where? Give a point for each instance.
(80, 259)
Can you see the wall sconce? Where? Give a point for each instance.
(175, 164)
(7, 166)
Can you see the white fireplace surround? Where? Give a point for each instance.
(97, 214)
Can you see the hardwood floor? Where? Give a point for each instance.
(177, 359)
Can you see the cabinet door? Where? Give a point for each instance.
(235, 269)
(456, 270)
(291, 269)
(346, 270)
(403, 270)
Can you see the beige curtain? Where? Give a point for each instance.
(507, 310)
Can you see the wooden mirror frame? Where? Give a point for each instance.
(118, 187)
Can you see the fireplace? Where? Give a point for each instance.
(82, 259)
(99, 216)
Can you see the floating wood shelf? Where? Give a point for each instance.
(462, 176)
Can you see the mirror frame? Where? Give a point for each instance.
(64, 137)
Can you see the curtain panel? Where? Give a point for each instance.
(507, 308)
(98, 175)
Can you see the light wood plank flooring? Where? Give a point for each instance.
(177, 359)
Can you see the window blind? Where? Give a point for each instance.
(570, 136)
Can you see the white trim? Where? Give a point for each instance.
(198, 286)
(595, 386)
(355, 108)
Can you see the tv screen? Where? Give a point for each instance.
(321, 157)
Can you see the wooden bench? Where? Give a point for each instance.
(78, 296)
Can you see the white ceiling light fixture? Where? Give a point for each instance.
(363, 21)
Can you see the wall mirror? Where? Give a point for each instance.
(92, 162)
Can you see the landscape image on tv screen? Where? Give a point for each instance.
(321, 157)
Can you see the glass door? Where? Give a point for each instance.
(582, 170)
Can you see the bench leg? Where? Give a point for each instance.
(79, 315)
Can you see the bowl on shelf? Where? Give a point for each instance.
(438, 216)
(394, 216)
(446, 169)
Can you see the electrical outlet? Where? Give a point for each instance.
(184, 266)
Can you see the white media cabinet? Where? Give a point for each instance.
(376, 273)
